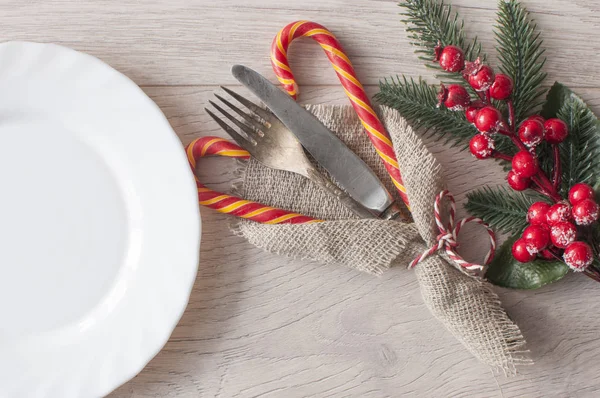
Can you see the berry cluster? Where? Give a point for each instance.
(532, 132)
(553, 228)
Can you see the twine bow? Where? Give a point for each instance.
(447, 239)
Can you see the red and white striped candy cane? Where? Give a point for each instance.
(355, 91)
(447, 239)
(229, 204)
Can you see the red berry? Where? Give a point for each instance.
(517, 182)
(524, 164)
(585, 212)
(457, 98)
(536, 215)
(558, 212)
(488, 119)
(481, 146)
(545, 226)
(531, 132)
(546, 255)
(539, 118)
(563, 233)
(555, 131)
(579, 192)
(471, 113)
(452, 59)
(502, 87)
(482, 79)
(578, 256)
(520, 251)
(536, 237)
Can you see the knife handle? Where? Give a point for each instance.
(229, 204)
(396, 211)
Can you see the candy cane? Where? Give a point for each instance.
(355, 91)
(229, 204)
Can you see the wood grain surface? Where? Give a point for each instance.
(262, 325)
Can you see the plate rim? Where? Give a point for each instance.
(152, 347)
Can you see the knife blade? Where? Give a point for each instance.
(349, 171)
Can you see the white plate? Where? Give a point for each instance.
(99, 225)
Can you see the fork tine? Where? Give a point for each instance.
(267, 115)
(241, 141)
(249, 131)
(258, 126)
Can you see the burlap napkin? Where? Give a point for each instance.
(466, 306)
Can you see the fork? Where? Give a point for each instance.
(271, 143)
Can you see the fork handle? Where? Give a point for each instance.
(343, 197)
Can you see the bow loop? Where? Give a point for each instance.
(447, 239)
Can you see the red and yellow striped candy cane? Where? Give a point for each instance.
(355, 91)
(229, 204)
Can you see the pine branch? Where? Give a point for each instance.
(580, 152)
(431, 21)
(545, 159)
(417, 102)
(519, 50)
(503, 209)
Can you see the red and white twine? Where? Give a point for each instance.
(447, 239)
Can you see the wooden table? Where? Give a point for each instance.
(262, 325)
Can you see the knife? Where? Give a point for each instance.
(349, 171)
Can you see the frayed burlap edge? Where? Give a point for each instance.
(468, 308)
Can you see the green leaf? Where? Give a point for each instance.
(432, 21)
(555, 99)
(594, 241)
(505, 271)
(521, 56)
(580, 152)
(503, 209)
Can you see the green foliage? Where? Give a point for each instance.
(430, 21)
(503, 209)
(545, 158)
(521, 56)
(580, 152)
(555, 99)
(506, 146)
(505, 271)
(417, 102)
(594, 240)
